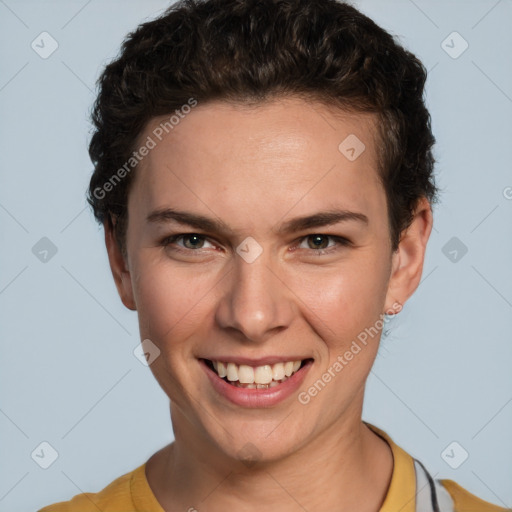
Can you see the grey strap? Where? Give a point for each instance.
(431, 496)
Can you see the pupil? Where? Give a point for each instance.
(192, 238)
(319, 239)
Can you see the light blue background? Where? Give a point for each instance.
(68, 373)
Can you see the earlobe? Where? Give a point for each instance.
(119, 267)
(407, 262)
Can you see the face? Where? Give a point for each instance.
(254, 240)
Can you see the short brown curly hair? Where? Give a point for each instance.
(249, 51)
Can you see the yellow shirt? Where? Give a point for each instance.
(132, 493)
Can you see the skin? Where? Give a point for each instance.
(255, 168)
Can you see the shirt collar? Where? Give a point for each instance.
(401, 495)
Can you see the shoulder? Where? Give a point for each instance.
(411, 478)
(115, 497)
(464, 501)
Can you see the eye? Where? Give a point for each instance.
(317, 242)
(194, 242)
(191, 241)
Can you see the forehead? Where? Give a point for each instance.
(284, 150)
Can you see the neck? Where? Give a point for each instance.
(348, 467)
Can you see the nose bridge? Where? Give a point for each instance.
(255, 302)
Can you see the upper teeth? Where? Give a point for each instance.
(246, 374)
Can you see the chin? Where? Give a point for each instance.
(259, 442)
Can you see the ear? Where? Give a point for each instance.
(407, 260)
(119, 267)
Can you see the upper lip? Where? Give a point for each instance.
(261, 361)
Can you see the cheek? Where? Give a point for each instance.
(171, 308)
(168, 300)
(345, 308)
(348, 318)
(349, 296)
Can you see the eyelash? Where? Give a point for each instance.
(344, 242)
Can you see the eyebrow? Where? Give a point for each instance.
(316, 220)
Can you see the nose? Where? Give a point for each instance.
(256, 303)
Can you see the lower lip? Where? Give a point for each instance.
(257, 398)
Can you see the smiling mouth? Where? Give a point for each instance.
(256, 377)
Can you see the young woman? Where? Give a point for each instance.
(264, 175)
